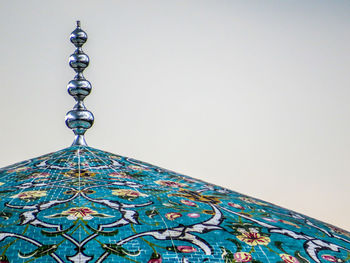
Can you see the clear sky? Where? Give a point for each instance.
(250, 95)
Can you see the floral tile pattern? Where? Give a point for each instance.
(84, 205)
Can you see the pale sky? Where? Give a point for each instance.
(250, 95)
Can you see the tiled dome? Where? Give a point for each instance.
(84, 205)
(81, 204)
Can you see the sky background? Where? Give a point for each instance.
(249, 95)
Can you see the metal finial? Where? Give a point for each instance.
(79, 119)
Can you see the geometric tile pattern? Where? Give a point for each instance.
(84, 205)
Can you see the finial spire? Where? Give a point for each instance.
(79, 119)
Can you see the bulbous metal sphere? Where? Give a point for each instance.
(78, 37)
(79, 61)
(79, 88)
(79, 120)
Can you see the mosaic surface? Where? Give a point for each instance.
(85, 205)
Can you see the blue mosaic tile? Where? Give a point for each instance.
(83, 205)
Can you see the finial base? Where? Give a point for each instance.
(79, 140)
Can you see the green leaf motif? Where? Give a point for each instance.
(4, 259)
(278, 244)
(119, 250)
(155, 256)
(56, 233)
(300, 258)
(5, 215)
(227, 255)
(39, 252)
(151, 213)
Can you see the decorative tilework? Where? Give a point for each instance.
(83, 205)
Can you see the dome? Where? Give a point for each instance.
(81, 204)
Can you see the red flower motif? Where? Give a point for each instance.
(172, 215)
(243, 257)
(79, 212)
(188, 202)
(288, 258)
(193, 215)
(235, 205)
(186, 249)
(30, 194)
(254, 239)
(330, 258)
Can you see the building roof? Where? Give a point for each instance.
(81, 204)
